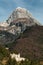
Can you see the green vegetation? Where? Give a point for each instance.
(26, 62)
(11, 62)
(5, 59)
(3, 52)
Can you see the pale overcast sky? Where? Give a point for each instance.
(34, 6)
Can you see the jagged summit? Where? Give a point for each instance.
(18, 8)
(19, 17)
(23, 10)
(22, 15)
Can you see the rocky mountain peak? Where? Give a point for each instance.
(23, 10)
(19, 8)
(22, 15)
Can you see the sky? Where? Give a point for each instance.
(34, 6)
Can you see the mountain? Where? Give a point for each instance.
(23, 34)
(16, 24)
(22, 15)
